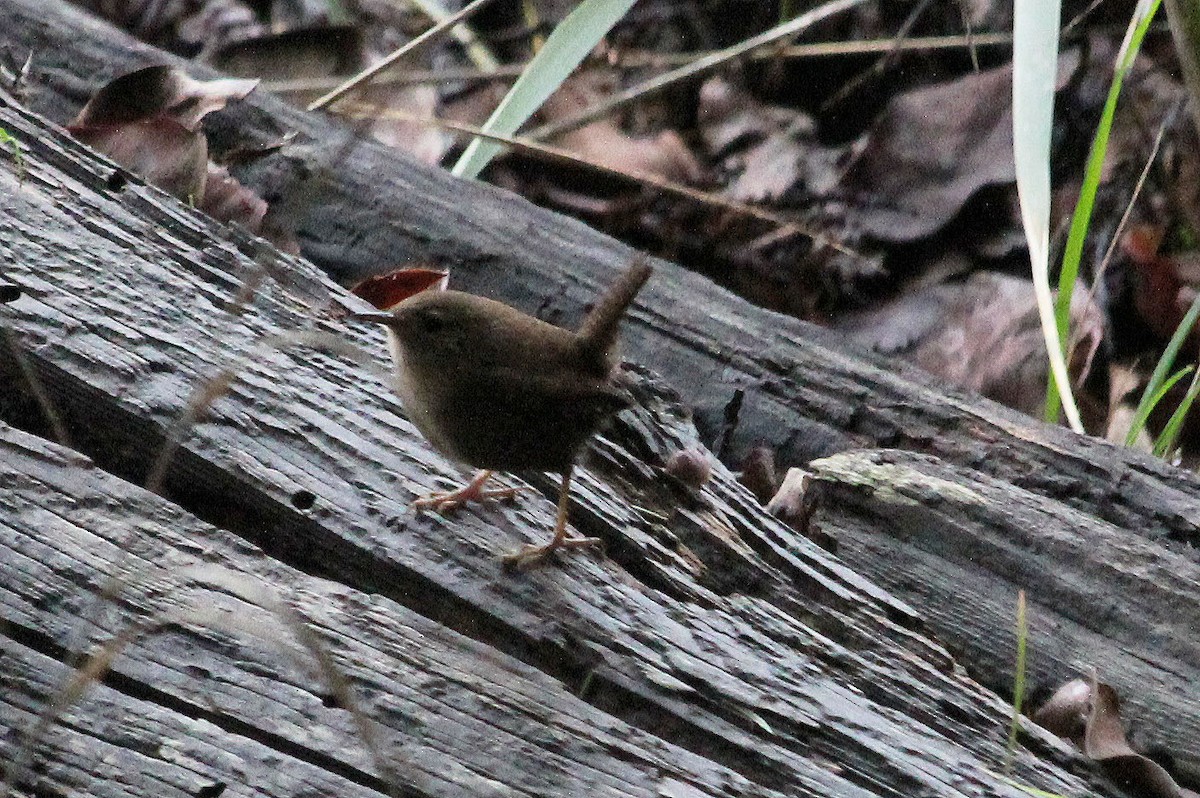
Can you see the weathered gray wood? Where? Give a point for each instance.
(189, 706)
(803, 391)
(960, 545)
(807, 393)
(713, 652)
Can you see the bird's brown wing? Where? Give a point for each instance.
(516, 420)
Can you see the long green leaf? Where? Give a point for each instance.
(1166, 362)
(1143, 413)
(1170, 434)
(1082, 217)
(564, 49)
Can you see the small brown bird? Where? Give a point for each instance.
(497, 389)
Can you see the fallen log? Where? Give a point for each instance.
(712, 652)
(797, 388)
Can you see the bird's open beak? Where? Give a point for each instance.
(377, 318)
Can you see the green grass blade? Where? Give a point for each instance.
(10, 143)
(1025, 788)
(564, 49)
(1082, 218)
(1018, 679)
(1145, 409)
(1170, 434)
(1166, 362)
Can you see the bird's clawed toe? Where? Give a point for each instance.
(530, 556)
(473, 491)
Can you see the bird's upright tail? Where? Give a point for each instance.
(599, 330)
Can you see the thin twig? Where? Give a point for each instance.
(477, 52)
(882, 63)
(1078, 19)
(965, 15)
(407, 77)
(640, 59)
(1137, 190)
(699, 67)
(563, 156)
(425, 38)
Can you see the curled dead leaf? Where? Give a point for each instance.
(1165, 285)
(935, 147)
(1065, 713)
(388, 290)
(981, 332)
(148, 122)
(1088, 713)
(159, 91)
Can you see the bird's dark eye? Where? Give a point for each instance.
(431, 322)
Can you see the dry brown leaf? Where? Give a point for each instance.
(159, 91)
(766, 151)
(1066, 712)
(1088, 713)
(663, 155)
(932, 149)
(148, 120)
(1166, 284)
(981, 333)
(161, 150)
(385, 291)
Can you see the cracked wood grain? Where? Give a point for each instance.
(714, 652)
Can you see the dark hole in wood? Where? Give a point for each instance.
(116, 181)
(303, 499)
(17, 406)
(331, 701)
(9, 293)
(211, 791)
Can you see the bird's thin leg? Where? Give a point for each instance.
(533, 555)
(471, 492)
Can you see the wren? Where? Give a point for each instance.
(500, 390)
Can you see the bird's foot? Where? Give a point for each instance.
(529, 555)
(473, 491)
